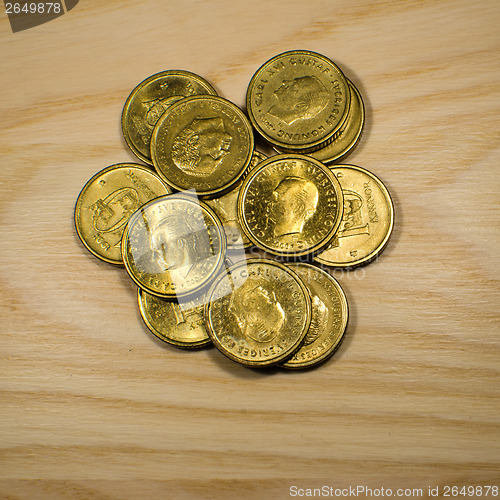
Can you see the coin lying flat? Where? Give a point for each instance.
(173, 246)
(106, 203)
(180, 324)
(290, 205)
(350, 133)
(258, 313)
(203, 143)
(149, 100)
(226, 208)
(329, 316)
(298, 100)
(367, 220)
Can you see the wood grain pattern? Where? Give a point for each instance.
(94, 407)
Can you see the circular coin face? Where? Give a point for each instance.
(150, 99)
(106, 203)
(329, 315)
(225, 207)
(367, 220)
(173, 246)
(258, 313)
(178, 323)
(290, 205)
(350, 133)
(298, 100)
(203, 143)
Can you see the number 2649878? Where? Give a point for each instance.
(470, 491)
(33, 8)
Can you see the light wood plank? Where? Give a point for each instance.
(94, 407)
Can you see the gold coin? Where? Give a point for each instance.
(257, 157)
(226, 208)
(367, 221)
(203, 143)
(149, 100)
(106, 203)
(173, 246)
(179, 323)
(290, 205)
(329, 314)
(348, 137)
(258, 313)
(298, 100)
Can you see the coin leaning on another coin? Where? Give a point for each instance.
(179, 322)
(298, 100)
(174, 246)
(259, 313)
(202, 143)
(350, 134)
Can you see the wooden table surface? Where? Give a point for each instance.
(93, 406)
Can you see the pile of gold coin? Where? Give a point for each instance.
(229, 246)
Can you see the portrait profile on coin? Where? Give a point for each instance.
(113, 212)
(257, 312)
(176, 243)
(199, 148)
(294, 202)
(301, 98)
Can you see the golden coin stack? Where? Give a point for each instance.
(212, 198)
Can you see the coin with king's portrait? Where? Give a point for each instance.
(106, 203)
(298, 100)
(150, 99)
(258, 313)
(347, 137)
(203, 143)
(173, 246)
(290, 205)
